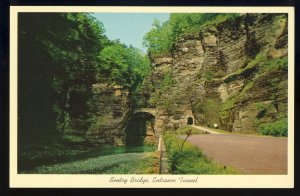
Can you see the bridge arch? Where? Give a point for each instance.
(146, 110)
(140, 128)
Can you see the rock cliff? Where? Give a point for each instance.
(112, 110)
(232, 75)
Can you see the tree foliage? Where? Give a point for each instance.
(162, 37)
(123, 65)
(159, 39)
(61, 55)
(57, 65)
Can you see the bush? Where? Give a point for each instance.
(190, 160)
(209, 75)
(277, 128)
(275, 64)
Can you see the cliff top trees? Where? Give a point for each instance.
(123, 65)
(161, 38)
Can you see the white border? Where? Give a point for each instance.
(98, 181)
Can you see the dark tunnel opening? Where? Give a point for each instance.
(137, 128)
(190, 121)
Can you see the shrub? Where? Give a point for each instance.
(275, 64)
(209, 75)
(226, 107)
(167, 81)
(277, 128)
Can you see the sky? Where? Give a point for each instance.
(130, 28)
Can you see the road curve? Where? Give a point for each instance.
(248, 154)
(206, 129)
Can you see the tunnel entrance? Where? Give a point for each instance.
(139, 126)
(190, 121)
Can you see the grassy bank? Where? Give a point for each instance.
(191, 160)
(81, 159)
(128, 163)
(277, 129)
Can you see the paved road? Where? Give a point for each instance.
(206, 129)
(248, 154)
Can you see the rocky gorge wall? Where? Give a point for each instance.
(112, 110)
(233, 74)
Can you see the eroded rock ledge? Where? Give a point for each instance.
(232, 74)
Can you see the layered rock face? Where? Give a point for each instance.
(232, 74)
(112, 110)
(170, 94)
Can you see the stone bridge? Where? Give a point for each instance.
(147, 110)
(186, 118)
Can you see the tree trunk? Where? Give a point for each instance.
(65, 113)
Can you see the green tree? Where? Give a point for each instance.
(123, 65)
(160, 40)
(57, 65)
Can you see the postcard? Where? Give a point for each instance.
(151, 97)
